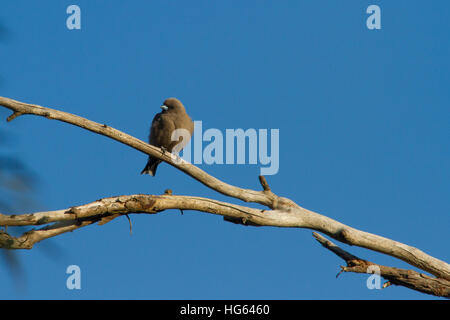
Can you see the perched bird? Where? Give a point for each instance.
(172, 117)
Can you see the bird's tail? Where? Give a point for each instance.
(151, 166)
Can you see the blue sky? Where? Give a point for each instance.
(363, 119)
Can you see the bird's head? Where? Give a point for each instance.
(172, 105)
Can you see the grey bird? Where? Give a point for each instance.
(172, 117)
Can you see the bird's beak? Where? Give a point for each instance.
(164, 107)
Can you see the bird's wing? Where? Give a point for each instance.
(183, 121)
(161, 131)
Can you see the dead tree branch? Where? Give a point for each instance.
(282, 212)
(401, 277)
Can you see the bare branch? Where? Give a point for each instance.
(247, 195)
(406, 278)
(13, 116)
(284, 213)
(107, 209)
(264, 183)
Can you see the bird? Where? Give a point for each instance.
(172, 117)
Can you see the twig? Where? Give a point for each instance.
(129, 221)
(264, 183)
